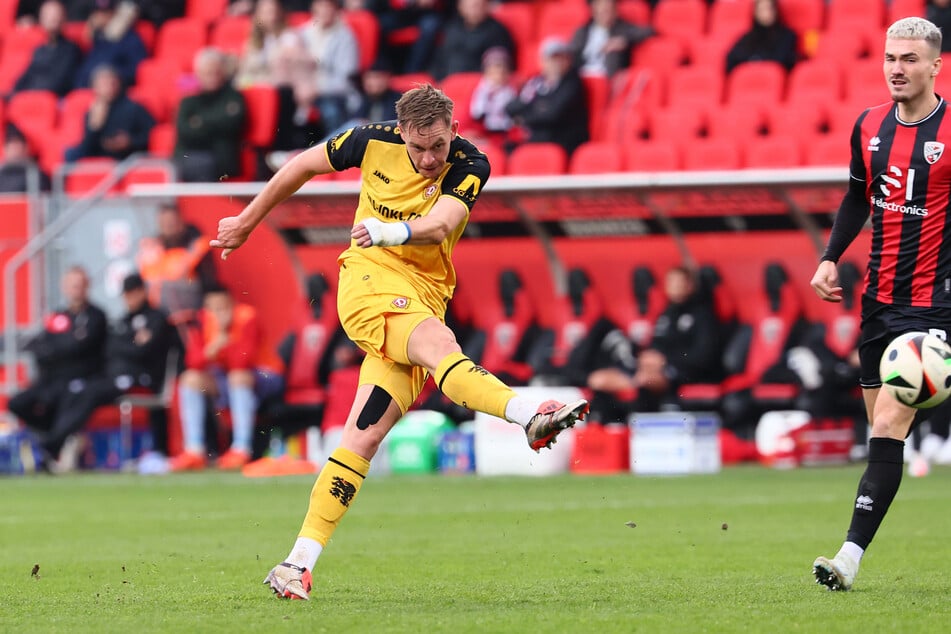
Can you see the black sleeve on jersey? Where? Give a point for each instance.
(468, 174)
(853, 212)
(347, 148)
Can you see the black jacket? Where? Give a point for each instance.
(52, 67)
(71, 346)
(213, 122)
(687, 334)
(556, 114)
(462, 48)
(144, 363)
(764, 44)
(124, 115)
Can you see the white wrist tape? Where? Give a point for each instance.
(387, 234)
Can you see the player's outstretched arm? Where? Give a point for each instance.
(234, 230)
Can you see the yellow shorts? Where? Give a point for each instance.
(379, 310)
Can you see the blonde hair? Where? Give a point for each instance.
(916, 29)
(423, 106)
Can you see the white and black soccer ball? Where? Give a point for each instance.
(916, 369)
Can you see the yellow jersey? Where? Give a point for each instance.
(393, 191)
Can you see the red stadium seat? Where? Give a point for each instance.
(756, 82)
(855, 14)
(865, 81)
(519, 19)
(85, 174)
(537, 159)
(162, 140)
(827, 151)
(772, 152)
(262, 104)
(898, 9)
(803, 16)
(660, 53)
(72, 115)
(800, 119)
(729, 19)
(684, 19)
(496, 157)
(35, 113)
(711, 154)
(561, 20)
(8, 12)
(709, 53)
(230, 33)
(634, 11)
(459, 87)
(596, 158)
(741, 122)
(206, 11)
(693, 86)
(676, 124)
(840, 47)
(651, 156)
(160, 77)
(402, 83)
(597, 90)
(178, 41)
(146, 32)
(366, 29)
(152, 100)
(16, 50)
(814, 79)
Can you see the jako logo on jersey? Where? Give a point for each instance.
(401, 303)
(933, 151)
(381, 176)
(873, 144)
(428, 193)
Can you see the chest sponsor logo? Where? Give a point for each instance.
(933, 151)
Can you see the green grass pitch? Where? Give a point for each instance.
(724, 553)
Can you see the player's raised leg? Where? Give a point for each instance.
(373, 414)
(433, 345)
(877, 489)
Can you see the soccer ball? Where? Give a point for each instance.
(916, 369)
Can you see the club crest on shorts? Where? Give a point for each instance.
(933, 151)
(401, 302)
(429, 192)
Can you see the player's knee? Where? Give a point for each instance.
(192, 379)
(241, 378)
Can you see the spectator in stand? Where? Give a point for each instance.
(684, 349)
(114, 42)
(160, 11)
(17, 164)
(604, 45)
(327, 68)
(427, 16)
(116, 126)
(939, 12)
(210, 124)
(68, 354)
(176, 263)
(55, 62)
(376, 100)
(492, 95)
(269, 58)
(551, 106)
(227, 359)
(467, 37)
(768, 40)
(246, 7)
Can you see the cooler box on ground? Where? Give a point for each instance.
(457, 451)
(414, 441)
(601, 449)
(501, 448)
(19, 452)
(669, 443)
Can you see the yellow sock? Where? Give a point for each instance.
(336, 486)
(471, 385)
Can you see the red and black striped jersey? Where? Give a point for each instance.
(907, 176)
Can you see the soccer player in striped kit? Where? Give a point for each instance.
(900, 174)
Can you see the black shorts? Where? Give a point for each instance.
(883, 322)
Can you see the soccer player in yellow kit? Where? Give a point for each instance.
(419, 183)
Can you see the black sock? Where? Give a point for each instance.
(877, 488)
